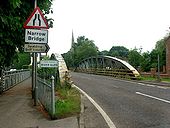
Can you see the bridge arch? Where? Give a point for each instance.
(107, 63)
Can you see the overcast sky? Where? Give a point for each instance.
(128, 23)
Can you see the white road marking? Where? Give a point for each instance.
(141, 84)
(150, 85)
(153, 97)
(102, 112)
(162, 87)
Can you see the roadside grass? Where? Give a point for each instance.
(68, 102)
(166, 79)
(154, 79)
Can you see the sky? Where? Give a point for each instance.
(128, 23)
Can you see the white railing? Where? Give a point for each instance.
(12, 78)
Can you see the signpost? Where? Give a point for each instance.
(37, 38)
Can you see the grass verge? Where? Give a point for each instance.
(68, 102)
(154, 79)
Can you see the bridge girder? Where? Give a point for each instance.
(106, 62)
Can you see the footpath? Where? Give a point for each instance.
(17, 111)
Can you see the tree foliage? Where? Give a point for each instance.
(13, 14)
(134, 58)
(119, 52)
(84, 48)
(146, 62)
(22, 61)
(104, 53)
(160, 47)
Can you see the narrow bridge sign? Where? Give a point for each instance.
(36, 20)
(36, 36)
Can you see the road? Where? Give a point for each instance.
(128, 104)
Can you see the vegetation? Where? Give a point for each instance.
(68, 102)
(68, 98)
(23, 61)
(82, 49)
(154, 79)
(46, 73)
(144, 61)
(119, 51)
(13, 14)
(135, 58)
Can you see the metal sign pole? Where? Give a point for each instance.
(33, 76)
(35, 4)
(35, 70)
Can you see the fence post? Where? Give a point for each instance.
(2, 84)
(52, 97)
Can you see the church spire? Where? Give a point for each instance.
(72, 42)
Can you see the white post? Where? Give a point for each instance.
(52, 97)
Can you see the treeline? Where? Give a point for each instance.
(84, 48)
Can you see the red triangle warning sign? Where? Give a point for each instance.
(36, 20)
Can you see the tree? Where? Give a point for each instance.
(22, 61)
(154, 58)
(68, 57)
(84, 48)
(160, 47)
(119, 52)
(134, 58)
(13, 14)
(104, 53)
(146, 62)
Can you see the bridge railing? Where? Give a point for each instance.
(120, 73)
(11, 78)
(46, 95)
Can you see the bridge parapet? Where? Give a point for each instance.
(11, 78)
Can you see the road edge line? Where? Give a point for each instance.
(102, 112)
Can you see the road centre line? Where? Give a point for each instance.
(141, 84)
(150, 85)
(102, 112)
(153, 97)
(162, 87)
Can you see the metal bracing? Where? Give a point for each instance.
(106, 62)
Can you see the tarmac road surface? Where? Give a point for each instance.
(128, 104)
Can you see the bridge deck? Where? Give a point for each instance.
(17, 110)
